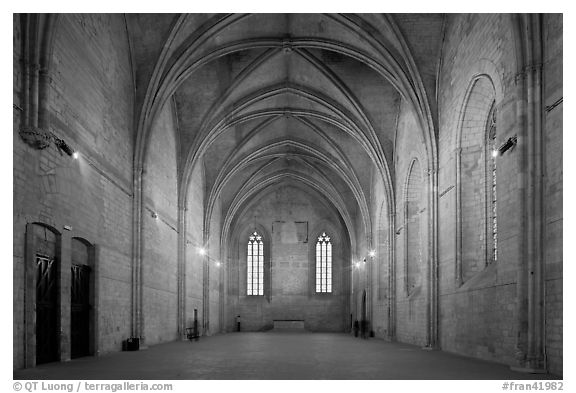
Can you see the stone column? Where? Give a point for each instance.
(136, 322)
(530, 288)
(432, 266)
(391, 276)
(181, 271)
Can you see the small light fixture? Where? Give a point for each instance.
(509, 144)
(364, 260)
(218, 263)
(63, 147)
(372, 253)
(154, 215)
(75, 155)
(201, 251)
(357, 264)
(494, 153)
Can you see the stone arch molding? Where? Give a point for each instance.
(385, 60)
(176, 63)
(331, 197)
(482, 69)
(306, 151)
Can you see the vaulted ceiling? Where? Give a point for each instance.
(262, 99)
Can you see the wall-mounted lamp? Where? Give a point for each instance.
(63, 147)
(509, 144)
(40, 139)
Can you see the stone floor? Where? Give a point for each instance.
(277, 355)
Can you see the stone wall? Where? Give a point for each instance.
(216, 271)
(478, 312)
(380, 284)
(160, 232)
(289, 263)
(90, 107)
(90, 104)
(194, 240)
(553, 187)
(411, 241)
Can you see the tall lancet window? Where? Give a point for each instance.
(255, 265)
(323, 264)
(492, 204)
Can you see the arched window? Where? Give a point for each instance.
(255, 265)
(491, 206)
(324, 264)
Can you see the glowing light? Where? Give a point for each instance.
(201, 251)
(218, 263)
(75, 155)
(357, 264)
(494, 153)
(372, 253)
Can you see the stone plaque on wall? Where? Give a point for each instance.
(290, 232)
(302, 231)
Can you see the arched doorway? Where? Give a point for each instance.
(81, 299)
(43, 244)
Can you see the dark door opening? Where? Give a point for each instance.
(47, 337)
(364, 317)
(80, 311)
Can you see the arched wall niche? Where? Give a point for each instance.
(473, 225)
(414, 226)
(382, 249)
